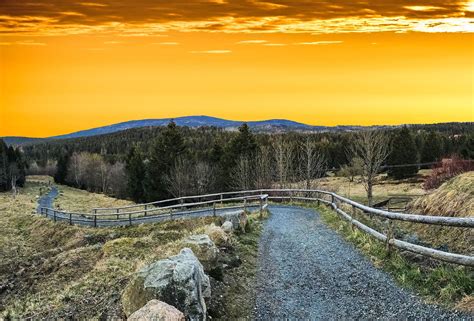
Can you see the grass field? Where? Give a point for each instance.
(54, 270)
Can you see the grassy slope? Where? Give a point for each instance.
(454, 198)
(445, 284)
(57, 270)
(384, 186)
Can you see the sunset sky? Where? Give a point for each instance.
(72, 65)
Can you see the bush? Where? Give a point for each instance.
(449, 168)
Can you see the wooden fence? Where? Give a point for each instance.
(211, 204)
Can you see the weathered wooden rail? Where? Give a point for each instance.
(211, 204)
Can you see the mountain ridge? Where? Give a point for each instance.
(269, 125)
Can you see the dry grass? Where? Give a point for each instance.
(454, 198)
(75, 200)
(54, 270)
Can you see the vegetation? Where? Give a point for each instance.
(12, 168)
(55, 270)
(454, 198)
(443, 283)
(403, 152)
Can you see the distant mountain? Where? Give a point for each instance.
(194, 121)
(271, 125)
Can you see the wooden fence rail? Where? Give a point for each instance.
(210, 204)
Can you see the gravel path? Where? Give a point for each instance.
(47, 199)
(308, 271)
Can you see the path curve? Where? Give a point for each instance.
(307, 271)
(47, 199)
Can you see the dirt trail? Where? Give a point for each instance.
(308, 271)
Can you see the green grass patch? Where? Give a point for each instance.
(444, 284)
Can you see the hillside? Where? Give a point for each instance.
(454, 198)
(55, 271)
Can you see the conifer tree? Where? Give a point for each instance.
(165, 150)
(403, 152)
(4, 174)
(62, 168)
(136, 174)
(432, 148)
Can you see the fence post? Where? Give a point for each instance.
(261, 207)
(130, 218)
(332, 199)
(54, 215)
(181, 201)
(146, 208)
(117, 213)
(70, 218)
(353, 216)
(390, 235)
(214, 208)
(95, 220)
(245, 204)
(222, 199)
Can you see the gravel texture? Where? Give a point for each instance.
(308, 271)
(47, 199)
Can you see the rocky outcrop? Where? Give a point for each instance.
(156, 310)
(204, 249)
(178, 280)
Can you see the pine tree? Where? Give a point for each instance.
(4, 174)
(62, 168)
(432, 148)
(136, 174)
(165, 150)
(403, 152)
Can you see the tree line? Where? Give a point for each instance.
(149, 164)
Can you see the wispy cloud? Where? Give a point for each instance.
(210, 51)
(113, 42)
(30, 43)
(256, 41)
(167, 43)
(92, 4)
(274, 44)
(315, 43)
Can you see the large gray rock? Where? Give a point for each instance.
(156, 310)
(178, 280)
(237, 218)
(204, 248)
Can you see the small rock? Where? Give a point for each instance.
(156, 310)
(204, 249)
(227, 227)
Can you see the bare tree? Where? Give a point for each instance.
(373, 148)
(242, 175)
(203, 178)
(179, 179)
(283, 152)
(312, 163)
(75, 169)
(263, 168)
(117, 180)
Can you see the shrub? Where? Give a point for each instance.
(449, 168)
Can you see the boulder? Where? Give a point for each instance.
(237, 218)
(178, 280)
(204, 249)
(218, 235)
(227, 227)
(156, 310)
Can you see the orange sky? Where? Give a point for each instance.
(66, 68)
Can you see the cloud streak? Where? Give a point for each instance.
(212, 52)
(150, 17)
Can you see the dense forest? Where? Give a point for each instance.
(12, 168)
(147, 164)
